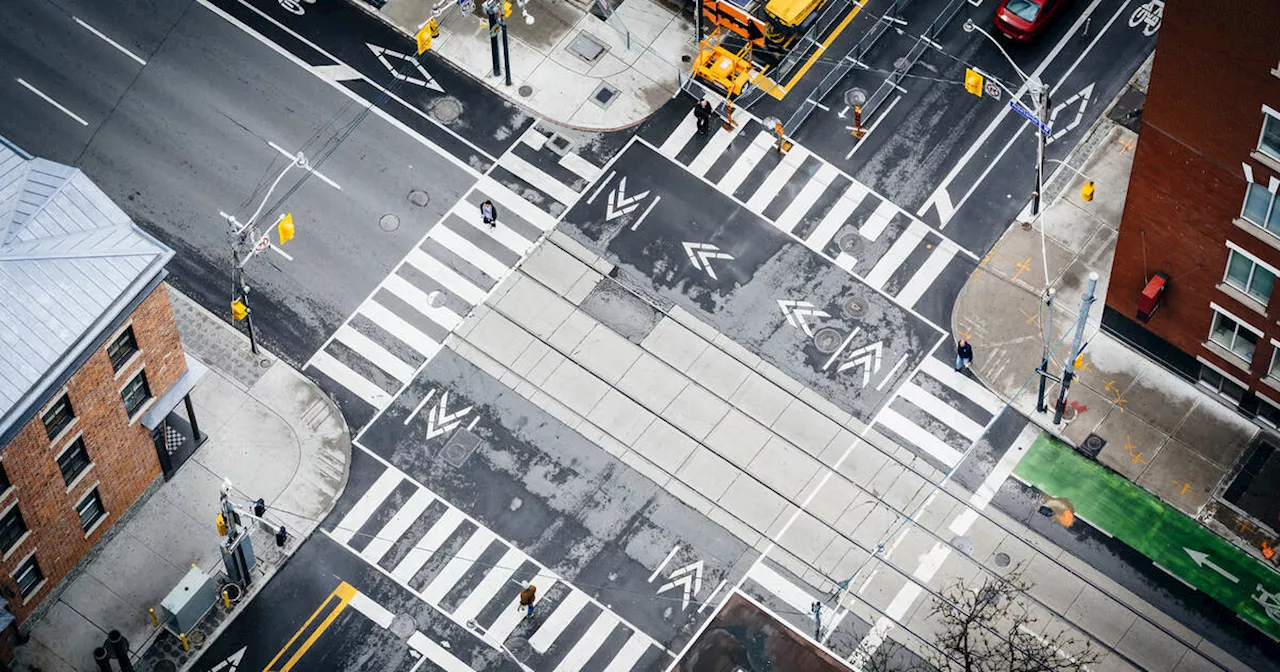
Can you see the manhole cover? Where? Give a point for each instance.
(963, 544)
(901, 64)
(403, 626)
(389, 222)
(446, 110)
(586, 47)
(1001, 559)
(519, 648)
(855, 97)
(604, 95)
(1093, 444)
(827, 339)
(460, 447)
(525, 90)
(559, 144)
(419, 198)
(165, 666)
(195, 638)
(988, 595)
(853, 308)
(264, 363)
(849, 242)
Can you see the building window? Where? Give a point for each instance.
(1269, 139)
(1219, 383)
(1274, 370)
(12, 527)
(59, 416)
(1260, 208)
(73, 461)
(122, 348)
(1249, 276)
(90, 509)
(5, 484)
(136, 393)
(1268, 413)
(1233, 335)
(28, 576)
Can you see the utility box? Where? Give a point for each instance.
(188, 602)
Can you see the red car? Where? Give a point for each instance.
(1022, 20)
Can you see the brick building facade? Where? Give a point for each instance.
(1201, 213)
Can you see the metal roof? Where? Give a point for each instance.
(70, 262)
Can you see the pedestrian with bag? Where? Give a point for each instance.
(527, 598)
(702, 111)
(964, 354)
(489, 214)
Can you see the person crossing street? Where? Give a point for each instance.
(527, 598)
(964, 354)
(489, 214)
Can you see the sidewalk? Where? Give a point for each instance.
(566, 63)
(272, 433)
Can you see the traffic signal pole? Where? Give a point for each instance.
(1042, 108)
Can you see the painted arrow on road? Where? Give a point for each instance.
(690, 577)
(1203, 560)
(231, 663)
(426, 82)
(701, 254)
(1083, 98)
(797, 312)
(440, 420)
(619, 204)
(869, 357)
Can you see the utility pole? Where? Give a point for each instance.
(491, 11)
(1085, 304)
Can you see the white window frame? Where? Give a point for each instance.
(1275, 356)
(1256, 263)
(1267, 111)
(1272, 186)
(1225, 376)
(1272, 404)
(1239, 323)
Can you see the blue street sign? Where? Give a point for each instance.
(1020, 109)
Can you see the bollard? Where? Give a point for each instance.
(120, 648)
(155, 622)
(226, 598)
(103, 659)
(185, 645)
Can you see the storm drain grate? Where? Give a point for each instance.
(1093, 444)
(559, 144)
(461, 445)
(586, 47)
(604, 95)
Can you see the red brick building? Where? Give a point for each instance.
(1202, 213)
(91, 367)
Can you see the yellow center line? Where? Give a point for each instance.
(780, 92)
(344, 592)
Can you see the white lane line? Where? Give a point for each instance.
(397, 327)
(590, 642)
(437, 654)
(489, 586)
(738, 172)
(53, 102)
(808, 195)
(538, 178)
(108, 40)
(428, 545)
(777, 584)
(396, 527)
(664, 562)
(777, 179)
(924, 277)
(919, 437)
(374, 352)
(307, 167)
(896, 254)
(365, 506)
(940, 409)
(555, 624)
(371, 610)
(646, 212)
(345, 376)
(457, 567)
(836, 216)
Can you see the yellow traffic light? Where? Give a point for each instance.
(222, 525)
(506, 9)
(239, 311)
(286, 228)
(973, 82)
(1086, 192)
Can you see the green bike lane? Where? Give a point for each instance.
(1172, 540)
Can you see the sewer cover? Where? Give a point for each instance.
(525, 90)
(1093, 444)
(988, 595)
(963, 544)
(165, 666)
(849, 242)
(604, 95)
(389, 222)
(901, 64)
(853, 307)
(461, 445)
(855, 97)
(446, 110)
(419, 198)
(1002, 559)
(519, 648)
(559, 144)
(403, 626)
(827, 339)
(586, 47)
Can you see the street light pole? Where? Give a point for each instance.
(1086, 302)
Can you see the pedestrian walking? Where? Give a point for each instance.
(527, 598)
(964, 354)
(702, 111)
(489, 214)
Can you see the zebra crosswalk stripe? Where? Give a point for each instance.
(397, 327)
(346, 377)
(375, 353)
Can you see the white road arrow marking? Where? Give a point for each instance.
(701, 254)
(1203, 560)
(231, 663)
(690, 577)
(797, 311)
(426, 82)
(1083, 97)
(868, 357)
(440, 420)
(618, 203)
(843, 112)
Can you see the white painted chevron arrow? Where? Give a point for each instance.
(231, 663)
(440, 420)
(868, 357)
(701, 254)
(797, 311)
(618, 203)
(1084, 96)
(426, 82)
(690, 577)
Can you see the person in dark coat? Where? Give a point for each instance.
(527, 598)
(489, 214)
(964, 354)
(702, 111)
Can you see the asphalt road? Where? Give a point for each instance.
(208, 123)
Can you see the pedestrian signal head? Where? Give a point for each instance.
(286, 228)
(239, 311)
(506, 10)
(222, 525)
(973, 82)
